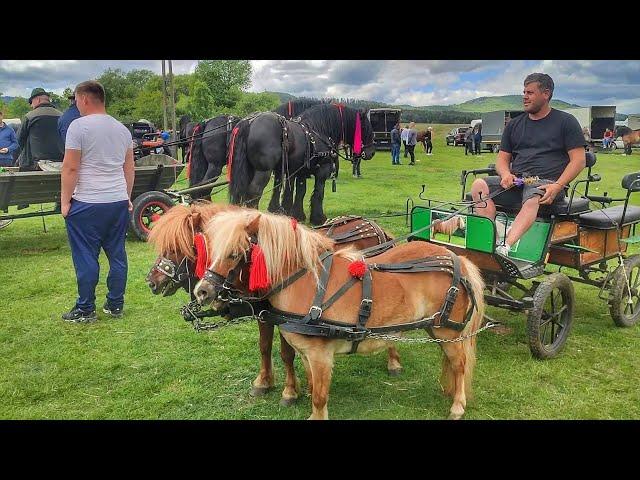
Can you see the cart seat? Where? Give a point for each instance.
(610, 217)
(579, 205)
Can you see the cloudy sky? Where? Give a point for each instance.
(418, 82)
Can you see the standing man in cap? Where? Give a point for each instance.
(67, 117)
(38, 138)
(97, 179)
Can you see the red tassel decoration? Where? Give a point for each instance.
(357, 269)
(202, 256)
(294, 224)
(258, 275)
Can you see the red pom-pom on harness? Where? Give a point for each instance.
(357, 269)
(202, 256)
(294, 224)
(258, 275)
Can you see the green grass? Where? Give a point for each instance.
(152, 365)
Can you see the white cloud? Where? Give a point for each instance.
(416, 82)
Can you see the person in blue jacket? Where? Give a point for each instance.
(67, 117)
(8, 143)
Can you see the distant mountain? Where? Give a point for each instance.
(490, 104)
(284, 97)
(7, 99)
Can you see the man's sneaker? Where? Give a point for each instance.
(114, 312)
(77, 315)
(503, 250)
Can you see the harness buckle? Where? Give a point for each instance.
(365, 306)
(315, 312)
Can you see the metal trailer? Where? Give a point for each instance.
(382, 121)
(493, 124)
(597, 118)
(633, 121)
(149, 196)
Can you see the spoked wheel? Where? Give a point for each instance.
(147, 209)
(550, 320)
(625, 308)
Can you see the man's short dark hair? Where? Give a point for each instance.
(545, 81)
(92, 88)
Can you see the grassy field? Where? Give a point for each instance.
(152, 365)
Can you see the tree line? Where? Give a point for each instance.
(216, 87)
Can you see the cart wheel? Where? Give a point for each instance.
(147, 209)
(624, 311)
(550, 320)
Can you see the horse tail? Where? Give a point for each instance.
(239, 169)
(197, 160)
(474, 278)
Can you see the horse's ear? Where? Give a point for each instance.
(196, 218)
(254, 225)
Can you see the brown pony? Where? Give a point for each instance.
(421, 138)
(397, 298)
(450, 226)
(629, 137)
(172, 235)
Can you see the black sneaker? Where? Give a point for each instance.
(114, 312)
(77, 315)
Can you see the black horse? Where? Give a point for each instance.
(207, 150)
(293, 108)
(185, 129)
(289, 110)
(310, 148)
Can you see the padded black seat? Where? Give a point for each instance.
(610, 217)
(578, 205)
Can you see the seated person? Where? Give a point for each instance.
(608, 138)
(545, 143)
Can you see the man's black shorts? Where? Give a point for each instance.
(517, 194)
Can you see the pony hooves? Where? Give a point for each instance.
(259, 391)
(395, 372)
(287, 402)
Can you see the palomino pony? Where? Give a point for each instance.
(289, 264)
(629, 137)
(175, 268)
(268, 142)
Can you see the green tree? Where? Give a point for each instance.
(18, 108)
(256, 102)
(224, 79)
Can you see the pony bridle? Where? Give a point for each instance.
(178, 274)
(223, 286)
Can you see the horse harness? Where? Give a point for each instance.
(314, 324)
(363, 229)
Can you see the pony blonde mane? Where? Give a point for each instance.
(285, 249)
(174, 231)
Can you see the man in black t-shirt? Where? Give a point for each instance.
(543, 142)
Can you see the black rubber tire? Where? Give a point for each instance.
(619, 293)
(145, 205)
(537, 326)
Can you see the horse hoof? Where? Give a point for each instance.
(395, 372)
(287, 402)
(455, 416)
(259, 391)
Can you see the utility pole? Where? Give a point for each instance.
(164, 96)
(174, 133)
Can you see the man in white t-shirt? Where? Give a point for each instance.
(97, 179)
(404, 136)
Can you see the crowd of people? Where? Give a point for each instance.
(409, 137)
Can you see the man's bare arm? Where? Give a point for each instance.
(129, 172)
(69, 178)
(503, 167)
